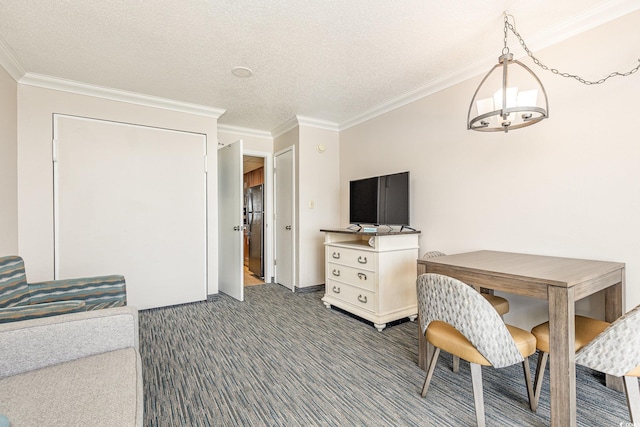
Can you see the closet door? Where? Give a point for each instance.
(131, 200)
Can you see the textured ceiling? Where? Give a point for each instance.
(331, 60)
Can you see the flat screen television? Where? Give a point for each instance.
(380, 200)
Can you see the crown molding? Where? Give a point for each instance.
(580, 23)
(47, 82)
(304, 121)
(592, 18)
(285, 127)
(317, 123)
(240, 131)
(9, 61)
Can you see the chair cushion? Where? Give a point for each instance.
(586, 330)
(14, 290)
(500, 304)
(447, 338)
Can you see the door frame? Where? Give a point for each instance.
(294, 223)
(269, 238)
(56, 190)
(226, 269)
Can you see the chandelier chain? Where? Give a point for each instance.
(505, 49)
(508, 25)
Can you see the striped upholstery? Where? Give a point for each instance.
(26, 312)
(97, 292)
(14, 290)
(20, 300)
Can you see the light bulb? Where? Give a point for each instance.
(528, 98)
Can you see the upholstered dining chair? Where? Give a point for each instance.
(586, 329)
(500, 304)
(455, 318)
(616, 351)
(613, 349)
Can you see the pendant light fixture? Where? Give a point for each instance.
(509, 97)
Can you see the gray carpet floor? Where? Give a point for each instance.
(282, 359)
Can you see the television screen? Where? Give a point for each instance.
(381, 200)
(363, 201)
(393, 202)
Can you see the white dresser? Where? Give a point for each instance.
(372, 275)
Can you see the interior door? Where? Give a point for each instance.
(131, 200)
(230, 221)
(285, 218)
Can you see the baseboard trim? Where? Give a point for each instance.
(315, 288)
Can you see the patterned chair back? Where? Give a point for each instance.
(432, 254)
(458, 304)
(616, 350)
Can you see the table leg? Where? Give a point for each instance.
(614, 308)
(562, 367)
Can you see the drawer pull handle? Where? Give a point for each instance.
(362, 299)
(336, 273)
(362, 276)
(336, 255)
(362, 260)
(336, 290)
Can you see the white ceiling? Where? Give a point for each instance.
(331, 60)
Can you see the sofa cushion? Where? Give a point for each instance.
(26, 312)
(13, 282)
(100, 390)
(97, 292)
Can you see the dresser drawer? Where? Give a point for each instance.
(352, 295)
(352, 257)
(358, 277)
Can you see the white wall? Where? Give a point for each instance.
(35, 109)
(287, 139)
(318, 200)
(569, 186)
(291, 138)
(318, 182)
(8, 165)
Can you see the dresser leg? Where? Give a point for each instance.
(414, 317)
(326, 304)
(380, 326)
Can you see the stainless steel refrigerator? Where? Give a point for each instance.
(254, 205)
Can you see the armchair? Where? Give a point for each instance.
(20, 300)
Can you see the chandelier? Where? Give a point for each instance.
(511, 96)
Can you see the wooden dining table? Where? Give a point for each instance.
(561, 281)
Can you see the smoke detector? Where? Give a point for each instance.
(241, 72)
